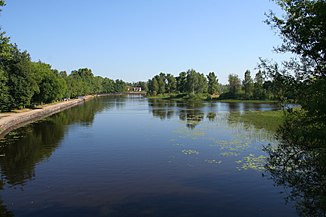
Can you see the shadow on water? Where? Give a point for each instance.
(194, 112)
(25, 147)
(28, 146)
(160, 205)
(190, 112)
(22, 149)
(302, 173)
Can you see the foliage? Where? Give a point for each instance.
(190, 82)
(24, 83)
(248, 85)
(21, 83)
(213, 87)
(299, 161)
(4, 93)
(234, 86)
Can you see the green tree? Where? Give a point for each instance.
(51, 86)
(196, 82)
(4, 92)
(301, 153)
(182, 82)
(171, 84)
(259, 91)
(154, 86)
(7, 50)
(303, 31)
(248, 85)
(98, 84)
(234, 86)
(213, 87)
(21, 83)
(119, 86)
(108, 85)
(161, 80)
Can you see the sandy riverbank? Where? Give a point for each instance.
(13, 120)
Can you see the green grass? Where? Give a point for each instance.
(269, 120)
(160, 96)
(247, 101)
(181, 97)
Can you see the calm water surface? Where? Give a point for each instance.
(129, 156)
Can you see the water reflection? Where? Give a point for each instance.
(24, 148)
(4, 212)
(302, 172)
(194, 112)
(182, 168)
(190, 112)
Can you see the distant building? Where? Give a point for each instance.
(137, 89)
(134, 89)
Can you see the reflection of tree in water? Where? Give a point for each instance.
(163, 113)
(187, 111)
(211, 116)
(162, 109)
(27, 146)
(4, 212)
(192, 117)
(233, 106)
(302, 170)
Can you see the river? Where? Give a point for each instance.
(130, 156)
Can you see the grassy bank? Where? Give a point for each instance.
(184, 97)
(269, 120)
(204, 97)
(246, 101)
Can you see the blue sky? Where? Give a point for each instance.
(135, 39)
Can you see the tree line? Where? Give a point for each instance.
(192, 83)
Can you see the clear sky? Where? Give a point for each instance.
(135, 39)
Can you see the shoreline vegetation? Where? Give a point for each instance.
(268, 120)
(15, 119)
(207, 97)
(18, 118)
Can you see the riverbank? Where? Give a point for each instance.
(205, 97)
(247, 101)
(13, 120)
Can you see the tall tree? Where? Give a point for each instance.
(213, 87)
(155, 86)
(21, 83)
(301, 154)
(248, 85)
(196, 82)
(4, 92)
(119, 86)
(171, 84)
(259, 92)
(234, 85)
(182, 82)
(161, 80)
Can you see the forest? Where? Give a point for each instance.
(191, 83)
(25, 83)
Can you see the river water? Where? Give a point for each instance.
(130, 156)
